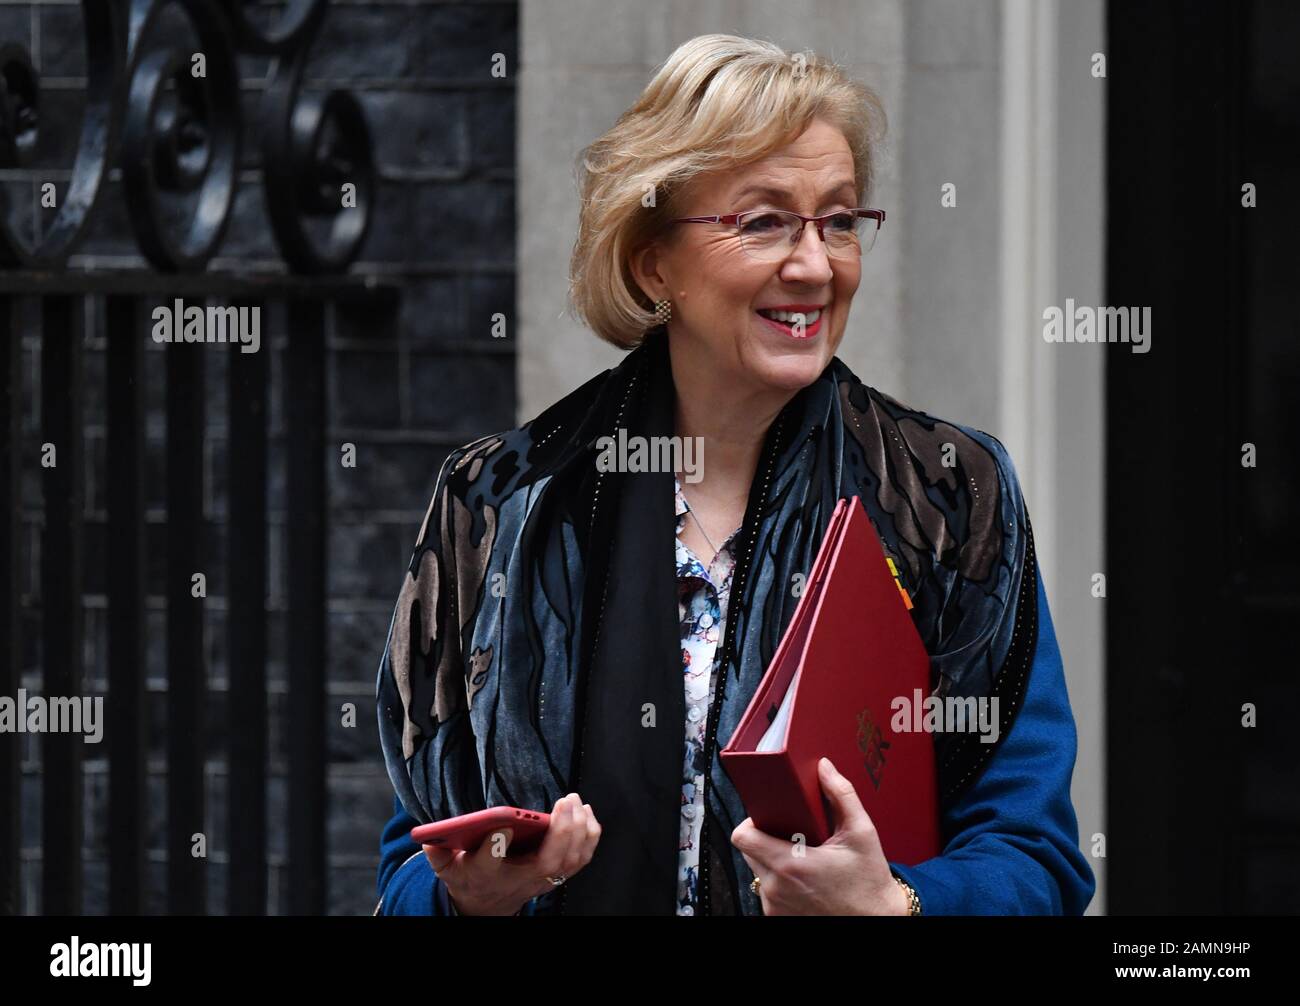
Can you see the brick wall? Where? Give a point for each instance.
(404, 387)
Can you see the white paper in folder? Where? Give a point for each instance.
(774, 736)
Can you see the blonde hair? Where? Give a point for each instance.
(718, 102)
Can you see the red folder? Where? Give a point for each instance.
(850, 650)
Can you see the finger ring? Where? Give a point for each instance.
(755, 884)
(557, 880)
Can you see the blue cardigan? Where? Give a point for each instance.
(1011, 838)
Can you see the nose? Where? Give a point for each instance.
(808, 261)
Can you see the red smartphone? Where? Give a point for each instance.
(468, 831)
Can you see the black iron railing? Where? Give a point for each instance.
(176, 138)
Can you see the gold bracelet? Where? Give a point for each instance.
(913, 899)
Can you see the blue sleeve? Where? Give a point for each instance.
(407, 884)
(1012, 838)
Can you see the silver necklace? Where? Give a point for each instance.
(691, 510)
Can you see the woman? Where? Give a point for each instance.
(536, 657)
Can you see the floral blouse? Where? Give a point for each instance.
(702, 611)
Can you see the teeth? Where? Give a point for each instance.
(791, 317)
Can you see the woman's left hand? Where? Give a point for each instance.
(845, 875)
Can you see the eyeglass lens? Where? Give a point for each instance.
(771, 234)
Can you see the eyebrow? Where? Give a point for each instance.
(772, 191)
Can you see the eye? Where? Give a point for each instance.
(760, 222)
(844, 222)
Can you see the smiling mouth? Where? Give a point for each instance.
(796, 324)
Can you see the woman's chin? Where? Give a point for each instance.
(788, 371)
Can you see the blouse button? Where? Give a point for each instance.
(694, 714)
(706, 620)
(688, 811)
(688, 910)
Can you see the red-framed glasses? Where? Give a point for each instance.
(771, 235)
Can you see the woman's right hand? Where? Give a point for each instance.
(482, 883)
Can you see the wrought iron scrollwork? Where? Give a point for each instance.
(293, 31)
(312, 148)
(21, 125)
(183, 139)
(177, 136)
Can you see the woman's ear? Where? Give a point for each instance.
(646, 264)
